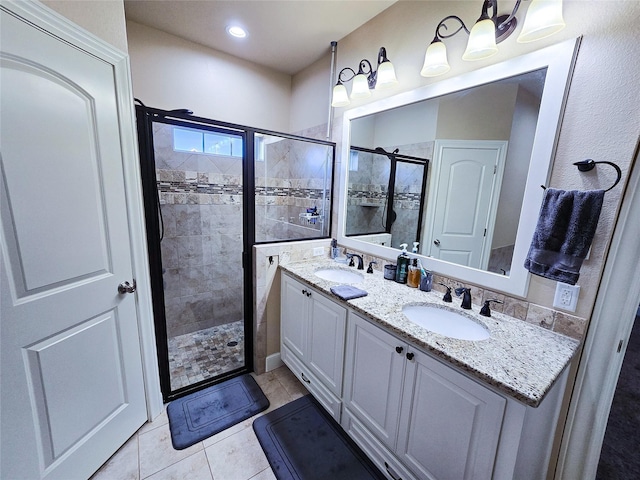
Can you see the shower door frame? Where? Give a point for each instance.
(146, 116)
(397, 157)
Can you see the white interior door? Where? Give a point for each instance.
(72, 387)
(463, 200)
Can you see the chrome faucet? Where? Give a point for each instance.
(466, 297)
(360, 261)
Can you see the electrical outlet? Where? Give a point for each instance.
(566, 296)
(318, 251)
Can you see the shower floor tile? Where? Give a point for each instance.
(200, 355)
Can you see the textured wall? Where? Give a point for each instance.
(103, 18)
(201, 202)
(168, 72)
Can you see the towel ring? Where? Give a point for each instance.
(588, 165)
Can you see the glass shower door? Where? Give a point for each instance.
(198, 171)
(293, 178)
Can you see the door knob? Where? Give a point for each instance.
(436, 242)
(126, 287)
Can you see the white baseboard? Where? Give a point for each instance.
(273, 361)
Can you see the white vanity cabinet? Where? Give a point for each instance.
(416, 416)
(436, 421)
(450, 425)
(312, 329)
(375, 365)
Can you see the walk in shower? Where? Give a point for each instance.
(385, 193)
(213, 190)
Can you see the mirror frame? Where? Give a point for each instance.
(559, 61)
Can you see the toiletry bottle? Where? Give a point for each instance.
(413, 278)
(415, 247)
(402, 269)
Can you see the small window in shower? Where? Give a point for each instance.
(293, 179)
(217, 144)
(187, 140)
(198, 141)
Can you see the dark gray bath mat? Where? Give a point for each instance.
(207, 412)
(302, 442)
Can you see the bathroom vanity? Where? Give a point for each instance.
(420, 404)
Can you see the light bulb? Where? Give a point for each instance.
(340, 97)
(360, 87)
(482, 41)
(544, 18)
(386, 76)
(435, 60)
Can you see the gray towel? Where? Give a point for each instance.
(347, 292)
(564, 232)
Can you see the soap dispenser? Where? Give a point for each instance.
(413, 278)
(415, 247)
(402, 269)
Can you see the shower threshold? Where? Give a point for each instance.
(207, 353)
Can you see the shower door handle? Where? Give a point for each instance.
(126, 287)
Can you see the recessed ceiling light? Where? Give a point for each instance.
(236, 31)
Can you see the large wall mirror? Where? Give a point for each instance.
(455, 168)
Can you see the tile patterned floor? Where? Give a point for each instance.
(233, 454)
(196, 356)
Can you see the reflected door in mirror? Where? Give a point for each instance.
(464, 190)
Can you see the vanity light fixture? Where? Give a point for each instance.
(544, 18)
(364, 80)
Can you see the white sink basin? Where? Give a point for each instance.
(340, 276)
(445, 322)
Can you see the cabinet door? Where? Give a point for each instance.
(327, 326)
(294, 313)
(373, 378)
(450, 425)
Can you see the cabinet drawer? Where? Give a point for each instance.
(328, 400)
(375, 450)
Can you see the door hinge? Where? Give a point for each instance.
(485, 232)
(495, 169)
(620, 343)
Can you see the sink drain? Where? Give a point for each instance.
(233, 343)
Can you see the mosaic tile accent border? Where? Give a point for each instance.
(357, 196)
(312, 193)
(173, 185)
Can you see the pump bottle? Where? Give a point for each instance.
(402, 269)
(413, 279)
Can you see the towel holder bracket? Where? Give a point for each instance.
(589, 164)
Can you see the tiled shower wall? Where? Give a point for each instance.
(201, 202)
(294, 176)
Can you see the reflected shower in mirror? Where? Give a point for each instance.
(480, 185)
(490, 136)
(385, 195)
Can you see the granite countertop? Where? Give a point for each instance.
(519, 359)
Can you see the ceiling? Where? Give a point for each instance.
(286, 36)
